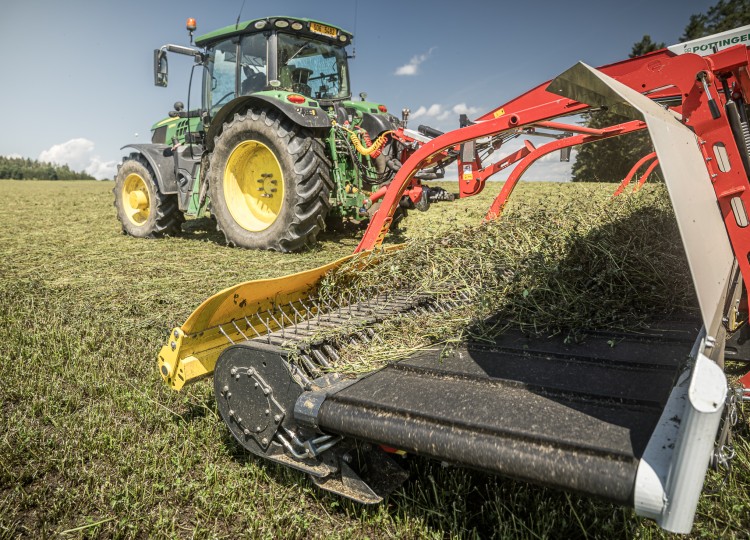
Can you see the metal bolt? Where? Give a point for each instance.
(256, 385)
(173, 345)
(229, 394)
(268, 411)
(231, 413)
(246, 432)
(233, 371)
(264, 440)
(176, 334)
(225, 389)
(277, 418)
(258, 429)
(237, 376)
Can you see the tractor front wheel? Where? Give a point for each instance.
(143, 211)
(269, 182)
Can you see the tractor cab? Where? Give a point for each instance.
(276, 54)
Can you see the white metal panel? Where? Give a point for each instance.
(707, 45)
(704, 236)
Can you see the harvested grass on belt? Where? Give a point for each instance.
(563, 267)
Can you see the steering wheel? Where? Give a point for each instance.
(223, 98)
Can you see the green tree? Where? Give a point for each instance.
(25, 169)
(725, 15)
(611, 159)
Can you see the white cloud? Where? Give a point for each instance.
(462, 108)
(412, 67)
(438, 112)
(432, 111)
(78, 154)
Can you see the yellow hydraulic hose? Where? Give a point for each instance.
(362, 149)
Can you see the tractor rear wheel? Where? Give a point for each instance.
(269, 181)
(143, 211)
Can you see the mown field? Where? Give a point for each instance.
(93, 444)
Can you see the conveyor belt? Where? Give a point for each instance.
(574, 416)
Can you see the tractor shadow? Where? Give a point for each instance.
(202, 229)
(340, 233)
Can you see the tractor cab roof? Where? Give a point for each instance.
(309, 27)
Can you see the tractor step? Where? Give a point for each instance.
(575, 416)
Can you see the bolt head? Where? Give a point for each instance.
(225, 389)
(264, 440)
(277, 418)
(176, 334)
(233, 371)
(173, 345)
(246, 432)
(231, 412)
(258, 429)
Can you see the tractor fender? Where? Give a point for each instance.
(298, 115)
(375, 124)
(160, 157)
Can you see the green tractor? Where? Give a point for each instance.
(277, 147)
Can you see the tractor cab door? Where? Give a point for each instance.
(236, 67)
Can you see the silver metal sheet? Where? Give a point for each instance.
(704, 236)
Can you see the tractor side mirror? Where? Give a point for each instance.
(161, 68)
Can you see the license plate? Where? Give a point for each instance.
(323, 30)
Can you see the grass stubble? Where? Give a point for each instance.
(93, 444)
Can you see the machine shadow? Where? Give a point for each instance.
(617, 371)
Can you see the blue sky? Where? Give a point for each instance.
(77, 82)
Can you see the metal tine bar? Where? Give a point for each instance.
(320, 357)
(268, 328)
(226, 335)
(297, 371)
(238, 329)
(311, 367)
(331, 352)
(276, 321)
(284, 314)
(250, 325)
(308, 311)
(296, 314)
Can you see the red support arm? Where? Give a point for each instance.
(499, 203)
(645, 176)
(631, 173)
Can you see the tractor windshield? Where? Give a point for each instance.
(312, 68)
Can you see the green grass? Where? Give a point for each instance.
(93, 444)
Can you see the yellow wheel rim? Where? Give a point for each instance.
(136, 200)
(253, 186)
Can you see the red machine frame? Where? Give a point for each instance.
(661, 74)
(688, 79)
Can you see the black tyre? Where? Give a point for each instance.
(269, 182)
(143, 211)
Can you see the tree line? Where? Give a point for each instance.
(32, 169)
(610, 160)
